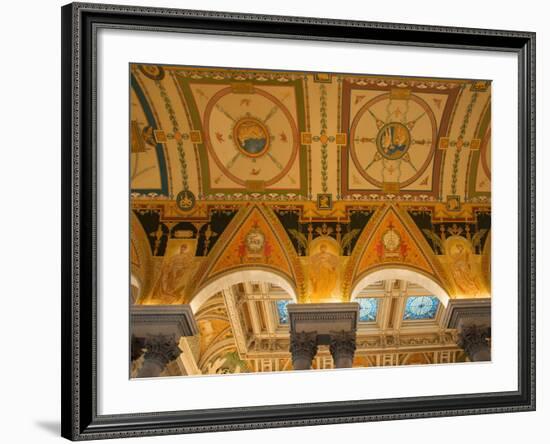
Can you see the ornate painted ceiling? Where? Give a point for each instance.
(233, 133)
(321, 181)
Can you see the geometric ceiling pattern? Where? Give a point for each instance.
(313, 187)
(227, 132)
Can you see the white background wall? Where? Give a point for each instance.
(30, 220)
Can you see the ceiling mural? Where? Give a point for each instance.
(394, 126)
(251, 133)
(320, 179)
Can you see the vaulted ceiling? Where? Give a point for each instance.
(269, 169)
(355, 137)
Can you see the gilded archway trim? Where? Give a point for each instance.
(237, 275)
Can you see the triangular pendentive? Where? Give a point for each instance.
(253, 239)
(390, 240)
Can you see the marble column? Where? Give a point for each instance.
(474, 339)
(303, 346)
(159, 351)
(342, 348)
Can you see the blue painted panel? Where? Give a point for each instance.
(283, 312)
(420, 307)
(368, 309)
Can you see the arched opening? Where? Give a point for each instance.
(239, 314)
(228, 280)
(400, 273)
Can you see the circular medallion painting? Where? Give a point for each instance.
(251, 136)
(185, 200)
(254, 240)
(391, 239)
(252, 140)
(393, 140)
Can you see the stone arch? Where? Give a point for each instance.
(230, 252)
(400, 272)
(369, 253)
(233, 277)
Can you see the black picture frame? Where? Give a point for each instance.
(79, 174)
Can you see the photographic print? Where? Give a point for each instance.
(317, 217)
(285, 221)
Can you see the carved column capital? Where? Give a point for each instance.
(474, 339)
(303, 346)
(159, 351)
(342, 348)
(137, 347)
(161, 348)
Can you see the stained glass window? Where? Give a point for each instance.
(420, 307)
(368, 309)
(283, 312)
